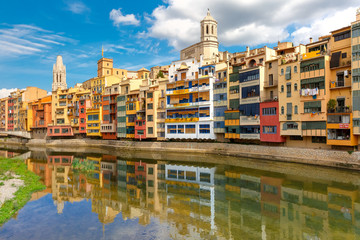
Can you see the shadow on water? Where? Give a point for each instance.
(162, 195)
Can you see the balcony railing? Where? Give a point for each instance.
(269, 84)
(340, 84)
(340, 110)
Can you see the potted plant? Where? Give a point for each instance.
(331, 105)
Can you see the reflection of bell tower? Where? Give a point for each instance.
(208, 28)
(59, 75)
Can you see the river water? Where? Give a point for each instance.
(127, 195)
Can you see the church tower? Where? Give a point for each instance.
(208, 28)
(59, 75)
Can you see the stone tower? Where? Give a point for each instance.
(59, 75)
(208, 28)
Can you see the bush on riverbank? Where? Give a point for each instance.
(22, 196)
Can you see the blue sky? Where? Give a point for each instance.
(144, 33)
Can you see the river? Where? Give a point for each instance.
(149, 195)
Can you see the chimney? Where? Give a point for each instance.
(311, 40)
(247, 51)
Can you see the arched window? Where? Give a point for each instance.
(282, 71)
(282, 110)
(207, 29)
(295, 87)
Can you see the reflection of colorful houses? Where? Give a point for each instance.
(291, 200)
(314, 209)
(190, 199)
(140, 173)
(341, 199)
(270, 196)
(42, 169)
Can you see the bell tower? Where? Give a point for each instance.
(59, 75)
(208, 28)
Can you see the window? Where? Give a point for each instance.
(342, 36)
(190, 175)
(270, 65)
(93, 117)
(205, 177)
(295, 87)
(190, 129)
(180, 129)
(296, 109)
(150, 95)
(288, 73)
(204, 128)
(282, 88)
(295, 69)
(296, 138)
(60, 121)
(271, 80)
(150, 183)
(269, 111)
(312, 107)
(82, 120)
(149, 106)
(149, 118)
(282, 110)
(269, 129)
(65, 130)
(270, 189)
(282, 72)
(150, 130)
(343, 55)
(318, 139)
(290, 126)
(288, 90)
(150, 171)
(171, 129)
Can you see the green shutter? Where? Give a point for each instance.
(289, 109)
(313, 125)
(234, 103)
(356, 100)
(288, 73)
(285, 126)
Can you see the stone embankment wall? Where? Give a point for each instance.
(331, 158)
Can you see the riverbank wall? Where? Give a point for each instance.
(320, 157)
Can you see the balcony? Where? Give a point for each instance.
(249, 120)
(204, 88)
(175, 120)
(270, 84)
(340, 110)
(250, 136)
(219, 130)
(312, 94)
(220, 103)
(107, 128)
(346, 83)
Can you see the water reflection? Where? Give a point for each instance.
(205, 201)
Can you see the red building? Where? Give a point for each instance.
(269, 122)
(109, 121)
(140, 172)
(84, 103)
(140, 129)
(60, 131)
(271, 196)
(11, 114)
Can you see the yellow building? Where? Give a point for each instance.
(3, 114)
(20, 100)
(339, 119)
(65, 111)
(288, 88)
(93, 120)
(315, 92)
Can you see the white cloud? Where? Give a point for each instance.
(323, 26)
(22, 39)
(77, 7)
(243, 22)
(119, 19)
(5, 92)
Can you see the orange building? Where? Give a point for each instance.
(40, 116)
